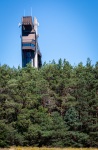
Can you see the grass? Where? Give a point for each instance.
(44, 148)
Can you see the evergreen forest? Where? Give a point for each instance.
(54, 106)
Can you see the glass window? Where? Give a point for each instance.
(32, 45)
(28, 57)
(28, 44)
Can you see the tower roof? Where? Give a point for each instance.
(27, 20)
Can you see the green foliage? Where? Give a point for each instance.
(56, 105)
(72, 119)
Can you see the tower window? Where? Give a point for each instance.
(28, 57)
(28, 44)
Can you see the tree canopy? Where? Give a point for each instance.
(56, 105)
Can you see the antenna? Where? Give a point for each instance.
(31, 11)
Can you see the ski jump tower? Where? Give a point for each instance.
(29, 42)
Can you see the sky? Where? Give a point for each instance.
(68, 29)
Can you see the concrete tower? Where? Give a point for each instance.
(29, 42)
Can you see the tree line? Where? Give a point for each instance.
(55, 106)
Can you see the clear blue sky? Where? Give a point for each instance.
(68, 29)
